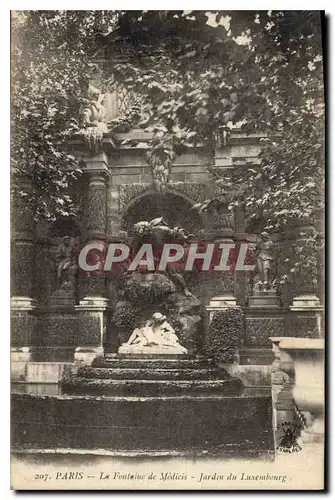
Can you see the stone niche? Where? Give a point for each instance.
(174, 208)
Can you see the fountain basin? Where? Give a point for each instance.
(229, 425)
(127, 403)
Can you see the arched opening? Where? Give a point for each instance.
(174, 208)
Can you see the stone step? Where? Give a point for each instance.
(140, 388)
(152, 373)
(124, 361)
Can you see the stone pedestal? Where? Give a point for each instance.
(23, 327)
(63, 298)
(263, 319)
(264, 300)
(56, 333)
(219, 303)
(51, 334)
(22, 322)
(91, 327)
(306, 316)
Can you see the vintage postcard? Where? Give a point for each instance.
(167, 244)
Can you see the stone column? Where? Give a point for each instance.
(240, 276)
(22, 303)
(93, 308)
(96, 218)
(113, 215)
(23, 227)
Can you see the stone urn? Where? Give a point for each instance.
(306, 358)
(283, 360)
(282, 367)
(282, 380)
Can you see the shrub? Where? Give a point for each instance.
(125, 316)
(224, 331)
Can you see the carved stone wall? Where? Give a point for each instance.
(304, 325)
(115, 185)
(259, 328)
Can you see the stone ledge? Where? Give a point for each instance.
(20, 353)
(298, 344)
(93, 304)
(22, 304)
(76, 385)
(306, 303)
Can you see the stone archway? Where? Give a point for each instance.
(174, 208)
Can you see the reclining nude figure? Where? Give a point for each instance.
(157, 332)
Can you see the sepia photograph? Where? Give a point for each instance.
(167, 224)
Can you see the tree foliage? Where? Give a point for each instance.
(51, 64)
(260, 71)
(201, 81)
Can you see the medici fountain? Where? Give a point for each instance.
(158, 387)
(151, 359)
